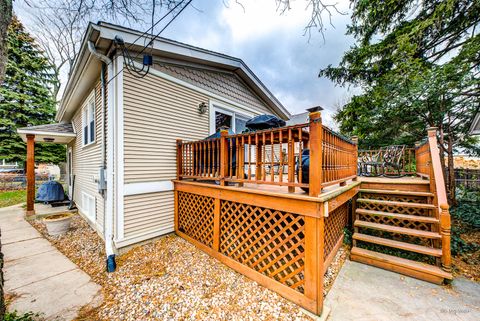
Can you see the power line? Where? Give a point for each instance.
(140, 73)
(130, 61)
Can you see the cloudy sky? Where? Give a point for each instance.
(272, 44)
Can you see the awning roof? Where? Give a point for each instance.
(61, 133)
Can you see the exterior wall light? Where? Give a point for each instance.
(202, 108)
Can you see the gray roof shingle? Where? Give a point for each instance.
(64, 128)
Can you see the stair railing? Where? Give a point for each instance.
(437, 187)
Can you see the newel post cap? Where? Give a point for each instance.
(432, 131)
(314, 109)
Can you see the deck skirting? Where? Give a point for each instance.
(282, 241)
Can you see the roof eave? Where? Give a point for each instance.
(109, 31)
(475, 124)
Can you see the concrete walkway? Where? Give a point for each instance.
(42, 279)
(363, 292)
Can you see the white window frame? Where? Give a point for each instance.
(87, 116)
(89, 206)
(227, 110)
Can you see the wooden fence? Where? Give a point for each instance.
(468, 178)
(19, 181)
(271, 157)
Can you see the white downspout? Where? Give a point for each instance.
(109, 200)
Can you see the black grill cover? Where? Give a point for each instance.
(264, 122)
(51, 191)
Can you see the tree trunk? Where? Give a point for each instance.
(451, 172)
(441, 141)
(5, 18)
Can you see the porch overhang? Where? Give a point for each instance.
(52, 133)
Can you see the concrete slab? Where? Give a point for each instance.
(13, 225)
(73, 287)
(36, 267)
(18, 250)
(363, 292)
(19, 234)
(44, 280)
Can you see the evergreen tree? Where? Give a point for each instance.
(26, 98)
(418, 63)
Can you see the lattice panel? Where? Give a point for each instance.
(268, 241)
(195, 217)
(395, 222)
(399, 237)
(395, 209)
(396, 198)
(334, 224)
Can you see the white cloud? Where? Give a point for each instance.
(271, 43)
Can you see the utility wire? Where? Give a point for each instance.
(130, 61)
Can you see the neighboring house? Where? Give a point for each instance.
(128, 126)
(297, 119)
(475, 127)
(5, 164)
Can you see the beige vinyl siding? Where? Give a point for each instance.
(149, 213)
(87, 160)
(157, 112)
(224, 83)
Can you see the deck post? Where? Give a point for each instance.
(259, 161)
(216, 224)
(30, 174)
(355, 159)
(315, 146)
(291, 160)
(314, 261)
(179, 159)
(445, 224)
(223, 156)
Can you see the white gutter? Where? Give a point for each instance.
(109, 200)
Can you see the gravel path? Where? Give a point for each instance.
(170, 279)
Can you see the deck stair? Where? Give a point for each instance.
(396, 228)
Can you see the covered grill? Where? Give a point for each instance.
(51, 191)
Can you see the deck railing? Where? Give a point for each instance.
(272, 157)
(423, 159)
(406, 164)
(429, 166)
(339, 158)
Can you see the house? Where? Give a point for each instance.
(139, 167)
(475, 127)
(121, 130)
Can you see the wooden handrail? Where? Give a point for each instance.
(275, 155)
(437, 186)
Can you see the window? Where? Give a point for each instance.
(88, 206)
(230, 119)
(88, 121)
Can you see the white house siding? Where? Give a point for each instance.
(157, 111)
(87, 161)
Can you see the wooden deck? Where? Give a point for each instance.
(241, 205)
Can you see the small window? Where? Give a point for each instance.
(232, 120)
(222, 120)
(88, 121)
(88, 206)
